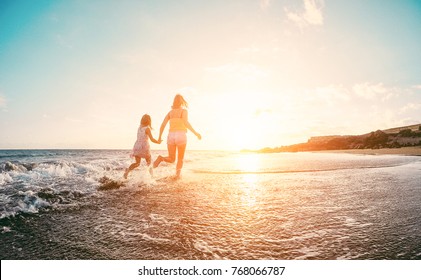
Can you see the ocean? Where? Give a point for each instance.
(75, 204)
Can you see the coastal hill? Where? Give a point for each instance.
(406, 136)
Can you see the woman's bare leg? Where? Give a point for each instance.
(170, 158)
(180, 159)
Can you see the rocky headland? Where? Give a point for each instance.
(407, 136)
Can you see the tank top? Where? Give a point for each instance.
(177, 123)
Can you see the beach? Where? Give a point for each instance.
(406, 151)
(74, 204)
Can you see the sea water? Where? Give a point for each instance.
(74, 204)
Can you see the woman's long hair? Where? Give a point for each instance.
(179, 102)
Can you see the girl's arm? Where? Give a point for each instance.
(188, 125)
(148, 132)
(163, 125)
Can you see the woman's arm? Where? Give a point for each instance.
(148, 132)
(163, 125)
(185, 117)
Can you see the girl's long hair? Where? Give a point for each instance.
(179, 102)
(146, 120)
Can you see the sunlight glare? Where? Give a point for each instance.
(250, 121)
(248, 163)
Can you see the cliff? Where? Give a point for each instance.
(407, 136)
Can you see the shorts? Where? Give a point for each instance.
(177, 138)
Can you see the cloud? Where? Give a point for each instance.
(374, 91)
(238, 70)
(410, 107)
(260, 112)
(332, 94)
(248, 50)
(359, 108)
(312, 14)
(324, 97)
(73, 120)
(264, 4)
(188, 91)
(64, 41)
(3, 102)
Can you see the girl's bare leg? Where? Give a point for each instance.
(148, 162)
(131, 167)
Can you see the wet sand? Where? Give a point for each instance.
(407, 151)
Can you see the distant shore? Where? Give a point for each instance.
(407, 151)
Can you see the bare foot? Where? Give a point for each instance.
(175, 177)
(126, 172)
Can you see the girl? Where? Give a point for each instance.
(141, 148)
(177, 139)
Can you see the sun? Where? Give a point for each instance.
(248, 131)
(244, 120)
(243, 137)
(248, 163)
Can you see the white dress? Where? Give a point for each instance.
(141, 147)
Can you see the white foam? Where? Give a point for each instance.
(60, 170)
(308, 252)
(6, 214)
(28, 176)
(9, 166)
(204, 247)
(5, 178)
(147, 237)
(351, 222)
(6, 229)
(160, 220)
(30, 203)
(139, 177)
(349, 255)
(305, 236)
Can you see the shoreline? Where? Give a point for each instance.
(404, 151)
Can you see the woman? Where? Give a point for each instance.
(177, 138)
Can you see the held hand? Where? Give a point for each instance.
(159, 141)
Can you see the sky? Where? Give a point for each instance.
(256, 73)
